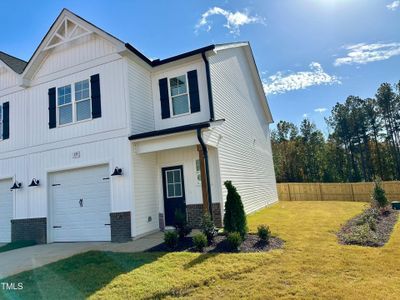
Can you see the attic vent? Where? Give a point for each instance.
(66, 32)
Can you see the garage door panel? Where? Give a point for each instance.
(6, 210)
(86, 222)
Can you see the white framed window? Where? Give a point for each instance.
(74, 103)
(174, 183)
(1, 122)
(198, 172)
(179, 95)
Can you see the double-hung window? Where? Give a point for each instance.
(1, 122)
(74, 103)
(179, 95)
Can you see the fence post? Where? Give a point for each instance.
(321, 196)
(290, 196)
(352, 192)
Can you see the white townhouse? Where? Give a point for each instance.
(99, 143)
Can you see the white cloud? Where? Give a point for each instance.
(280, 82)
(364, 53)
(394, 5)
(234, 20)
(305, 116)
(320, 110)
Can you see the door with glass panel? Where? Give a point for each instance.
(174, 193)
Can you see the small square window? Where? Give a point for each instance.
(174, 183)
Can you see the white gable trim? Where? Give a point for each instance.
(66, 28)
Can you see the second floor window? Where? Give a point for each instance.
(179, 95)
(74, 103)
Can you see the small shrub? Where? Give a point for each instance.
(378, 196)
(234, 240)
(200, 241)
(264, 233)
(171, 239)
(234, 217)
(181, 224)
(361, 235)
(207, 227)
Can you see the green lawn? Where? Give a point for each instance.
(311, 265)
(16, 245)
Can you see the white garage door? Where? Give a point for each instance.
(81, 205)
(6, 209)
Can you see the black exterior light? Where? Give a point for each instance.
(117, 172)
(35, 182)
(16, 186)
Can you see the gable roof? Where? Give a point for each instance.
(26, 69)
(15, 64)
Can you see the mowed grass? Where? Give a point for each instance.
(312, 265)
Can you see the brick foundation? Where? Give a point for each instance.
(120, 227)
(29, 230)
(195, 213)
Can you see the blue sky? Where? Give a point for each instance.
(310, 53)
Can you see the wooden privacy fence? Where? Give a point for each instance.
(360, 191)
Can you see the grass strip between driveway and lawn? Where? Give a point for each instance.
(16, 245)
(312, 264)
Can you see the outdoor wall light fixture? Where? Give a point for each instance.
(117, 172)
(17, 185)
(35, 182)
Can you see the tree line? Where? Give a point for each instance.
(363, 142)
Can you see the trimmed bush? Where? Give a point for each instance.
(207, 227)
(378, 196)
(234, 217)
(200, 241)
(171, 239)
(234, 240)
(264, 233)
(361, 235)
(181, 224)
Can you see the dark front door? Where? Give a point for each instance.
(174, 193)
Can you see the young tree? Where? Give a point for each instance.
(235, 217)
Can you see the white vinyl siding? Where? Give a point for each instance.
(6, 210)
(245, 154)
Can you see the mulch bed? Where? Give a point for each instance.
(252, 243)
(384, 227)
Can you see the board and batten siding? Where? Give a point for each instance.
(31, 202)
(245, 154)
(73, 54)
(140, 98)
(8, 78)
(29, 114)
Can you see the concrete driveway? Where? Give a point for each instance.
(24, 259)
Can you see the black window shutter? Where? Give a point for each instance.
(52, 108)
(6, 120)
(164, 98)
(96, 97)
(194, 91)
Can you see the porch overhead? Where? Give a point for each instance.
(170, 138)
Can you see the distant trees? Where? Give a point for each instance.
(364, 142)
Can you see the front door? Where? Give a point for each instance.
(174, 193)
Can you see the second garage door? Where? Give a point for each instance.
(81, 205)
(6, 208)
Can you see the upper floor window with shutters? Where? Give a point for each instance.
(74, 103)
(180, 103)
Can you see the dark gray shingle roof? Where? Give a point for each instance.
(16, 64)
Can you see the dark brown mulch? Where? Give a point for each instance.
(219, 245)
(384, 227)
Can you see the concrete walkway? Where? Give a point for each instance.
(24, 259)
